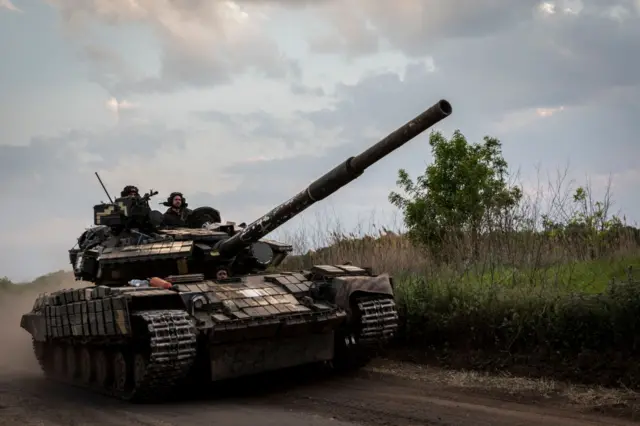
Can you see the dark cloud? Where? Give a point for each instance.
(415, 26)
(598, 135)
(202, 43)
(492, 57)
(418, 27)
(579, 69)
(546, 64)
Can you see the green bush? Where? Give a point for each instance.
(553, 325)
(45, 283)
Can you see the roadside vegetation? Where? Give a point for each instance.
(46, 283)
(495, 275)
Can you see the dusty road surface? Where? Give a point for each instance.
(387, 394)
(367, 399)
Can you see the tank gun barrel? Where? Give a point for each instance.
(335, 179)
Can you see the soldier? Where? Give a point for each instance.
(222, 274)
(177, 213)
(130, 191)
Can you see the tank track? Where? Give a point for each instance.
(130, 375)
(377, 322)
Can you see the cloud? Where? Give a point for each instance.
(201, 42)
(507, 67)
(598, 135)
(501, 54)
(413, 26)
(220, 100)
(417, 26)
(117, 107)
(7, 4)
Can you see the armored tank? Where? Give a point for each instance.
(159, 314)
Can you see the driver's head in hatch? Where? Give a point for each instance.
(222, 274)
(176, 201)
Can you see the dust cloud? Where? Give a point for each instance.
(16, 353)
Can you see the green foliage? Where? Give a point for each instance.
(48, 282)
(5, 284)
(589, 228)
(576, 320)
(463, 190)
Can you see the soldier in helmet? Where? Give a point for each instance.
(177, 213)
(129, 191)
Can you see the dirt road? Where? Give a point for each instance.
(367, 399)
(387, 394)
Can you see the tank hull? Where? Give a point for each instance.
(143, 344)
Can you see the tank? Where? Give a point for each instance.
(158, 313)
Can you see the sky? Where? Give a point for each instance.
(241, 104)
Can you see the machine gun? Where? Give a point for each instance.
(127, 212)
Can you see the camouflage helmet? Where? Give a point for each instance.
(128, 190)
(169, 201)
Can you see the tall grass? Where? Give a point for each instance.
(562, 303)
(44, 283)
(513, 255)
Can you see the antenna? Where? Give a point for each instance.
(103, 187)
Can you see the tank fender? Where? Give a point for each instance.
(345, 286)
(35, 324)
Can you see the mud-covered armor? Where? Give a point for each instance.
(156, 316)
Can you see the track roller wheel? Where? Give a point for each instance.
(71, 360)
(104, 372)
(42, 354)
(39, 350)
(59, 361)
(121, 371)
(87, 367)
(139, 368)
(349, 356)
